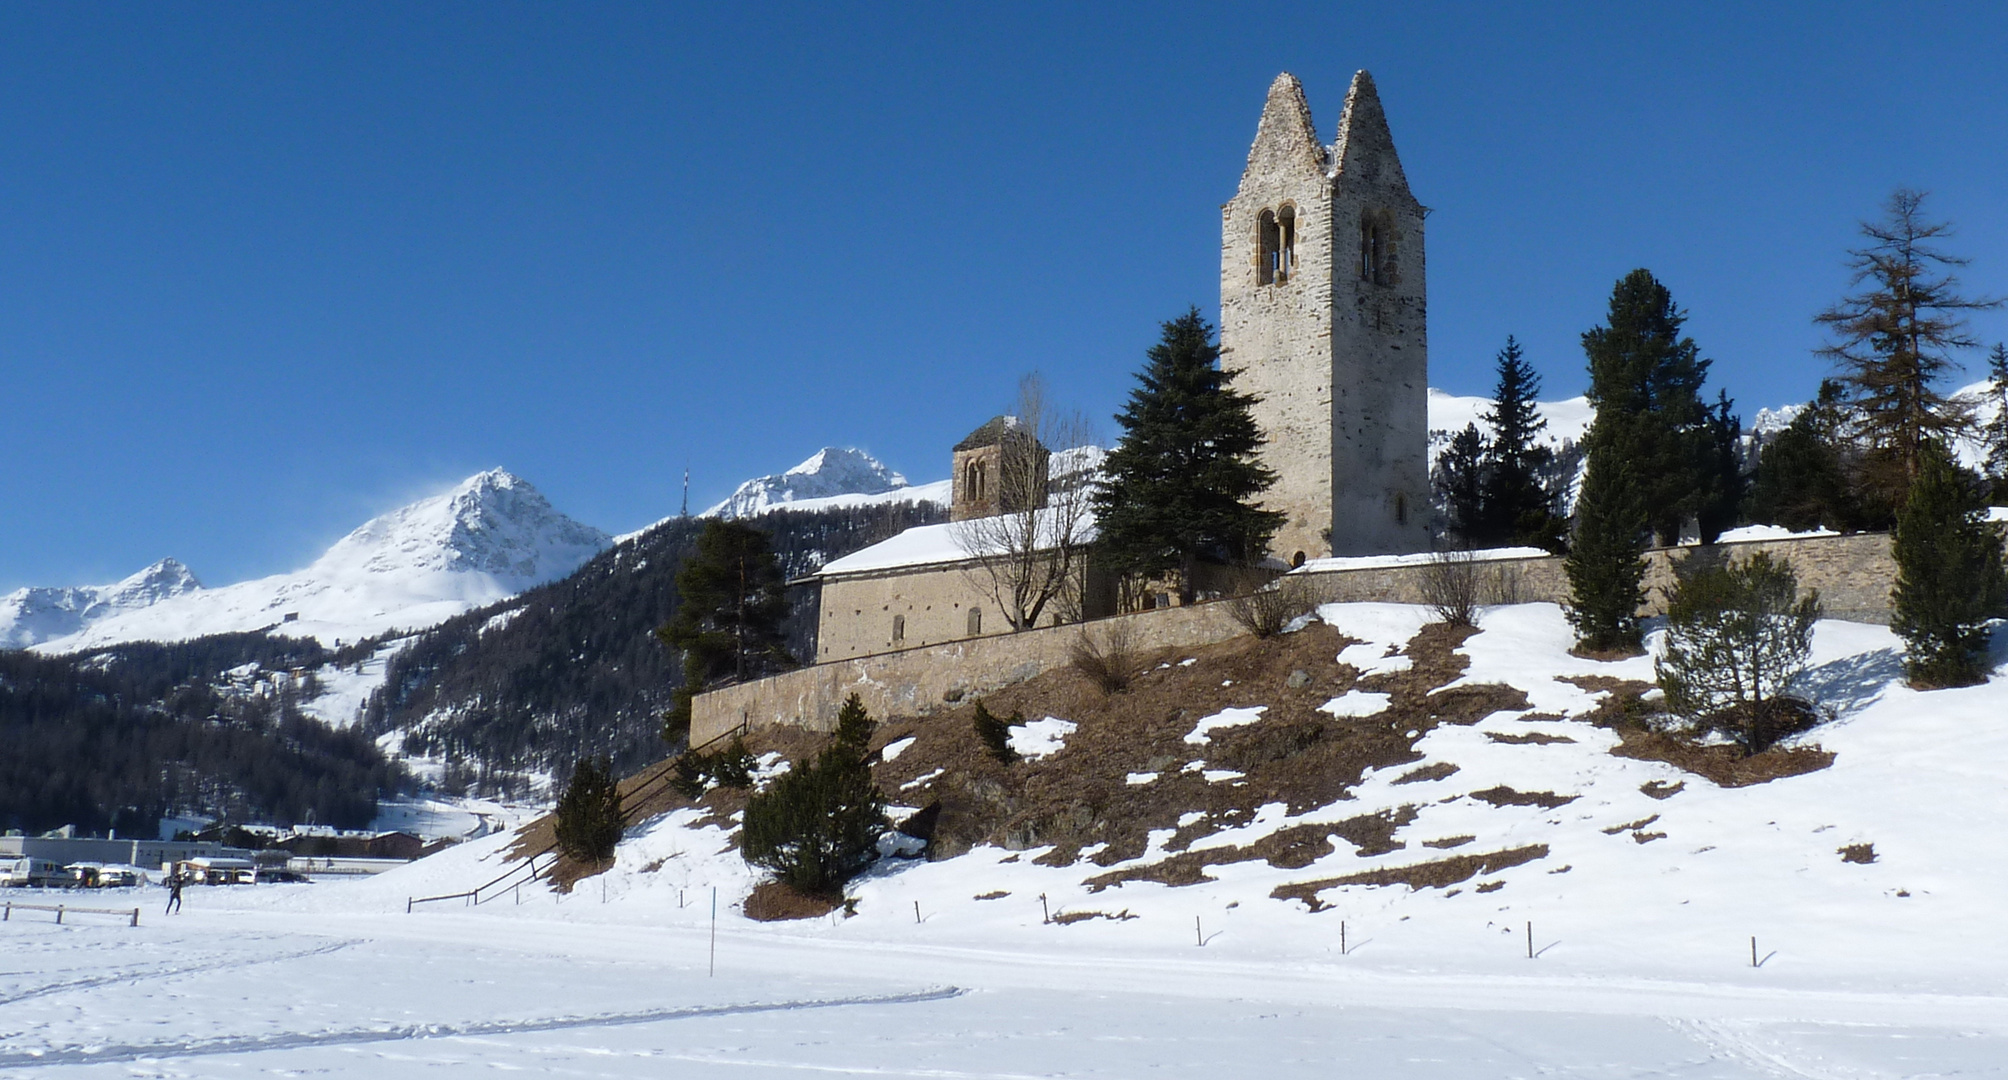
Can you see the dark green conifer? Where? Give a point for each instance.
(727, 624)
(1606, 561)
(1949, 579)
(589, 812)
(1179, 490)
(1459, 479)
(854, 725)
(1645, 383)
(996, 733)
(1802, 479)
(1518, 505)
(817, 825)
(1724, 488)
(1994, 433)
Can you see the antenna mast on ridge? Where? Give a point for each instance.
(685, 512)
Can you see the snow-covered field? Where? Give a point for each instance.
(1641, 912)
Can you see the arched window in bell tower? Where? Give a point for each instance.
(1286, 242)
(1377, 247)
(1268, 248)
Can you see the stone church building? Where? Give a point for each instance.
(1322, 315)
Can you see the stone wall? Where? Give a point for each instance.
(1853, 574)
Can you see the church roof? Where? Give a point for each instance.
(993, 433)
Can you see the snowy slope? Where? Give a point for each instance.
(491, 536)
(1641, 908)
(32, 615)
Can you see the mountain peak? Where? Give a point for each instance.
(493, 522)
(831, 471)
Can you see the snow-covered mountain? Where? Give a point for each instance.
(1449, 413)
(829, 473)
(32, 615)
(490, 537)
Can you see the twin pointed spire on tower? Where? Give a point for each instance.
(1287, 137)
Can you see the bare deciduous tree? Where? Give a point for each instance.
(1896, 338)
(1029, 557)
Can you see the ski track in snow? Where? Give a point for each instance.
(304, 1040)
(164, 971)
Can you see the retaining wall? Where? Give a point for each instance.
(1853, 574)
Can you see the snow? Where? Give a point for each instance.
(1202, 732)
(1377, 562)
(892, 750)
(1356, 703)
(1450, 413)
(488, 538)
(833, 476)
(1041, 738)
(1642, 913)
(346, 690)
(1768, 532)
(950, 542)
(33, 615)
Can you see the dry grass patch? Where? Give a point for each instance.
(1660, 789)
(1533, 738)
(1291, 848)
(772, 901)
(1857, 853)
(1436, 874)
(1449, 842)
(1069, 918)
(1506, 796)
(1722, 765)
(1435, 771)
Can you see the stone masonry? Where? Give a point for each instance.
(1853, 573)
(1322, 313)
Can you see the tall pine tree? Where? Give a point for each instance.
(1459, 479)
(1949, 579)
(1517, 503)
(727, 623)
(1179, 490)
(1606, 561)
(1645, 383)
(1994, 433)
(1723, 485)
(1895, 341)
(1802, 479)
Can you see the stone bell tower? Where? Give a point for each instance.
(1322, 314)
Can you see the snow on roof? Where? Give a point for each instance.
(955, 541)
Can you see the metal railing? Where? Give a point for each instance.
(8, 908)
(631, 804)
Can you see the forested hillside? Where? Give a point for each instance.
(571, 668)
(121, 738)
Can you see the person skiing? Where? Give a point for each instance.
(173, 893)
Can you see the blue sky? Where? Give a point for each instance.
(268, 269)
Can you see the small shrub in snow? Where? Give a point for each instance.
(1450, 587)
(996, 733)
(589, 812)
(695, 772)
(818, 825)
(1949, 579)
(1266, 611)
(1736, 635)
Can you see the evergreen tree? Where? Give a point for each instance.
(1949, 578)
(995, 733)
(1896, 340)
(1645, 383)
(728, 622)
(1517, 503)
(1802, 479)
(589, 812)
(1736, 636)
(1725, 487)
(817, 826)
(855, 726)
(1606, 561)
(1995, 432)
(1459, 479)
(1179, 489)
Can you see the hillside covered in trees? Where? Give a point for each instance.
(120, 738)
(572, 669)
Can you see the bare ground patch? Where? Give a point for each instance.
(1292, 848)
(1435, 874)
(772, 901)
(1506, 796)
(1723, 765)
